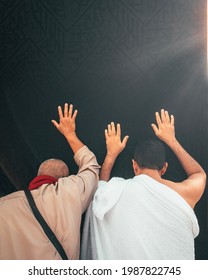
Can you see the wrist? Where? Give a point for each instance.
(111, 156)
(172, 143)
(71, 136)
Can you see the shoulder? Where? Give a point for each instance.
(190, 189)
(113, 180)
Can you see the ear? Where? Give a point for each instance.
(135, 167)
(163, 170)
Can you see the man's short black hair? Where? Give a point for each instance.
(150, 154)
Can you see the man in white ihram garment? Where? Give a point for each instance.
(146, 217)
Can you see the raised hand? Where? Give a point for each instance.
(165, 129)
(114, 144)
(114, 147)
(67, 117)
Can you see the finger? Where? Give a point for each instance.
(113, 130)
(156, 130)
(124, 142)
(118, 130)
(55, 123)
(70, 109)
(60, 112)
(74, 115)
(158, 119)
(167, 116)
(106, 133)
(163, 118)
(109, 129)
(66, 110)
(172, 120)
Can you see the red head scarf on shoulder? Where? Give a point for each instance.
(40, 180)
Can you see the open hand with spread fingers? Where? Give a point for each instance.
(165, 128)
(114, 144)
(67, 117)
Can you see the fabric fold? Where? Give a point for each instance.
(141, 219)
(106, 198)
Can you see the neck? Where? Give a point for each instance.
(155, 174)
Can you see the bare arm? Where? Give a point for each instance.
(114, 147)
(193, 187)
(67, 126)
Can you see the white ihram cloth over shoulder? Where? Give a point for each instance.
(138, 218)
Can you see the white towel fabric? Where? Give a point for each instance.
(138, 218)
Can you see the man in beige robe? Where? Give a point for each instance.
(61, 202)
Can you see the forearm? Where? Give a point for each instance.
(107, 168)
(74, 142)
(189, 164)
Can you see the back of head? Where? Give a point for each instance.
(150, 154)
(53, 167)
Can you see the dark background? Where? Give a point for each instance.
(115, 60)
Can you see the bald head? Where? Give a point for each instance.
(54, 167)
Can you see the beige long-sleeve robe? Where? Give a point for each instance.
(62, 205)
